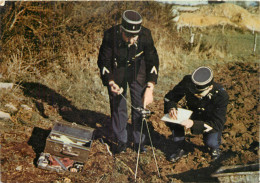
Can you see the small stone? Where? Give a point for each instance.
(6, 85)
(4, 115)
(11, 107)
(19, 168)
(26, 107)
(66, 180)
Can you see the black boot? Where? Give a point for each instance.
(119, 148)
(142, 148)
(215, 154)
(177, 155)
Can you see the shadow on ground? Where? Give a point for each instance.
(38, 141)
(204, 174)
(41, 93)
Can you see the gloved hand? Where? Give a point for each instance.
(115, 88)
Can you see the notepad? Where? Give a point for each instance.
(182, 114)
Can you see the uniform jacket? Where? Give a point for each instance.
(119, 62)
(211, 109)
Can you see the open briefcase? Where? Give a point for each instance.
(67, 147)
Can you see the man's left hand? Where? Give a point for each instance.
(148, 95)
(187, 123)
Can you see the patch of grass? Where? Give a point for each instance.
(216, 42)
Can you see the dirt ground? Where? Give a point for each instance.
(22, 142)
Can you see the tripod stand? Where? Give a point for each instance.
(145, 114)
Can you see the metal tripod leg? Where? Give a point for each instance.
(152, 149)
(138, 154)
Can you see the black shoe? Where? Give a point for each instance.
(215, 154)
(142, 148)
(176, 156)
(121, 147)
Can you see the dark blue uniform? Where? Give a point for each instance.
(135, 65)
(210, 110)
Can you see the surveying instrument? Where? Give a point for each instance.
(145, 115)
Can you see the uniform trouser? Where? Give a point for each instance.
(119, 116)
(212, 140)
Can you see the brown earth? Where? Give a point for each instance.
(21, 141)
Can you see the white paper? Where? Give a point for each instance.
(182, 114)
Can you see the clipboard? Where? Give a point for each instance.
(183, 114)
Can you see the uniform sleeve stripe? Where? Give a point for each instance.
(154, 70)
(105, 70)
(166, 100)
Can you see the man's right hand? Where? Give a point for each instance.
(115, 88)
(173, 113)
